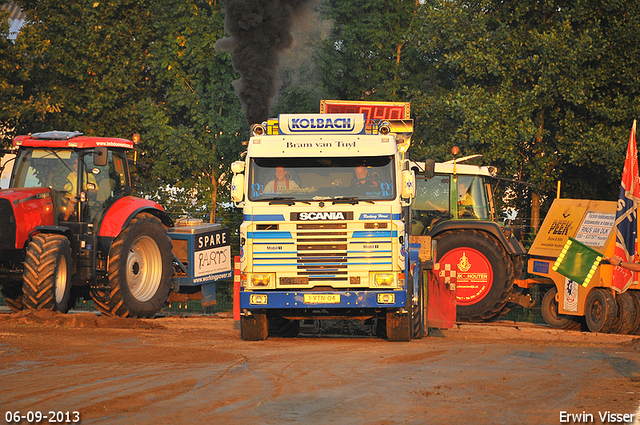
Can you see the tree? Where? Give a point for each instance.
(543, 89)
(369, 51)
(120, 67)
(193, 133)
(89, 63)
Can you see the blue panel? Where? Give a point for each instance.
(269, 235)
(208, 294)
(541, 267)
(263, 217)
(375, 234)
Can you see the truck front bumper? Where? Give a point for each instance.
(322, 299)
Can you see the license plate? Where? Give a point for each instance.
(322, 298)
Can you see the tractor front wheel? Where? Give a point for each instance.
(13, 296)
(47, 273)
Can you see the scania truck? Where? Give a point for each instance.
(326, 201)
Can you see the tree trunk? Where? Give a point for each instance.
(535, 210)
(214, 198)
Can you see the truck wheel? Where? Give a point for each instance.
(417, 311)
(139, 269)
(254, 327)
(13, 296)
(484, 273)
(626, 314)
(549, 309)
(398, 326)
(601, 311)
(47, 273)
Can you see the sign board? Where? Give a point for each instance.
(320, 123)
(589, 222)
(372, 110)
(212, 257)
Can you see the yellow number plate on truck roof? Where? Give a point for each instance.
(322, 298)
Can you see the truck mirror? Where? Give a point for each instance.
(408, 184)
(237, 187)
(429, 168)
(237, 167)
(100, 157)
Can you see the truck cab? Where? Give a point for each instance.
(325, 200)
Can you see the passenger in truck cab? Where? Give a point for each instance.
(282, 181)
(363, 179)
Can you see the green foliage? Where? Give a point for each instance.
(192, 132)
(369, 51)
(543, 89)
(120, 67)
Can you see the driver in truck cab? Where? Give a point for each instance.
(363, 179)
(281, 182)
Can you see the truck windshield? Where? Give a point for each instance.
(308, 179)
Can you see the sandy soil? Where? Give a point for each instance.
(196, 370)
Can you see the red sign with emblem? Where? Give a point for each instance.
(473, 272)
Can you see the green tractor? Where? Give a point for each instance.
(454, 205)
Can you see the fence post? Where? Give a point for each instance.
(236, 288)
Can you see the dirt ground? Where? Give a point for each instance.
(196, 370)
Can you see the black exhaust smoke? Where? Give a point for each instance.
(259, 31)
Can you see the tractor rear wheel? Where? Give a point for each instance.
(549, 309)
(47, 273)
(484, 272)
(139, 269)
(601, 310)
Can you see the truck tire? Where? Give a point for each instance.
(549, 309)
(398, 326)
(13, 296)
(47, 273)
(417, 311)
(139, 269)
(601, 310)
(626, 314)
(482, 300)
(254, 327)
(636, 301)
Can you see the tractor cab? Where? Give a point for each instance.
(463, 195)
(84, 175)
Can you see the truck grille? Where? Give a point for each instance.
(7, 225)
(314, 253)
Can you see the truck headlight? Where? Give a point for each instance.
(384, 279)
(386, 298)
(262, 279)
(258, 299)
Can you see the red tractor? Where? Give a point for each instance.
(69, 228)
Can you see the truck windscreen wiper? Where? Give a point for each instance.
(284, 200)
(353, 200)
